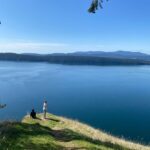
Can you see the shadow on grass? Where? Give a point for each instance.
(47, 118)
(52, 119)
(67, 135)
(38, 118)
(17, 136)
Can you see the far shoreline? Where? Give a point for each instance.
(73, 60)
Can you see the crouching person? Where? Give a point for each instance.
(33, 114)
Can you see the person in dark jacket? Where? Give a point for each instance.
(33, 114)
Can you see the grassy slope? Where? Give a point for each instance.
(58, 133)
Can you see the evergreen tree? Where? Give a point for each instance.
(94, 5)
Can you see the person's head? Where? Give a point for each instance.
(32, 110)
(45, 101)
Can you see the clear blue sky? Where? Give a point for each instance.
(46, 26)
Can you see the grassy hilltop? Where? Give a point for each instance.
(58, 133)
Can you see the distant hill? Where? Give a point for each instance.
(116, 54)
(82, 58)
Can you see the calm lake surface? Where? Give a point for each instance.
(114, 99)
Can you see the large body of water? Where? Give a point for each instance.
(114, 99)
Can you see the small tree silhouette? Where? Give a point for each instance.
(95, 5)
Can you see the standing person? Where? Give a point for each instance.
(45, 108)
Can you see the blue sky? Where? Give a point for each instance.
(47, 26)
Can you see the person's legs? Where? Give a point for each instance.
(44, 114)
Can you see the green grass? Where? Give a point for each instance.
(58, 133)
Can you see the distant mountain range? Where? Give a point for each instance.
(83, 58)
(116, 54)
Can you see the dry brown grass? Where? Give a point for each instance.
(99, 135)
